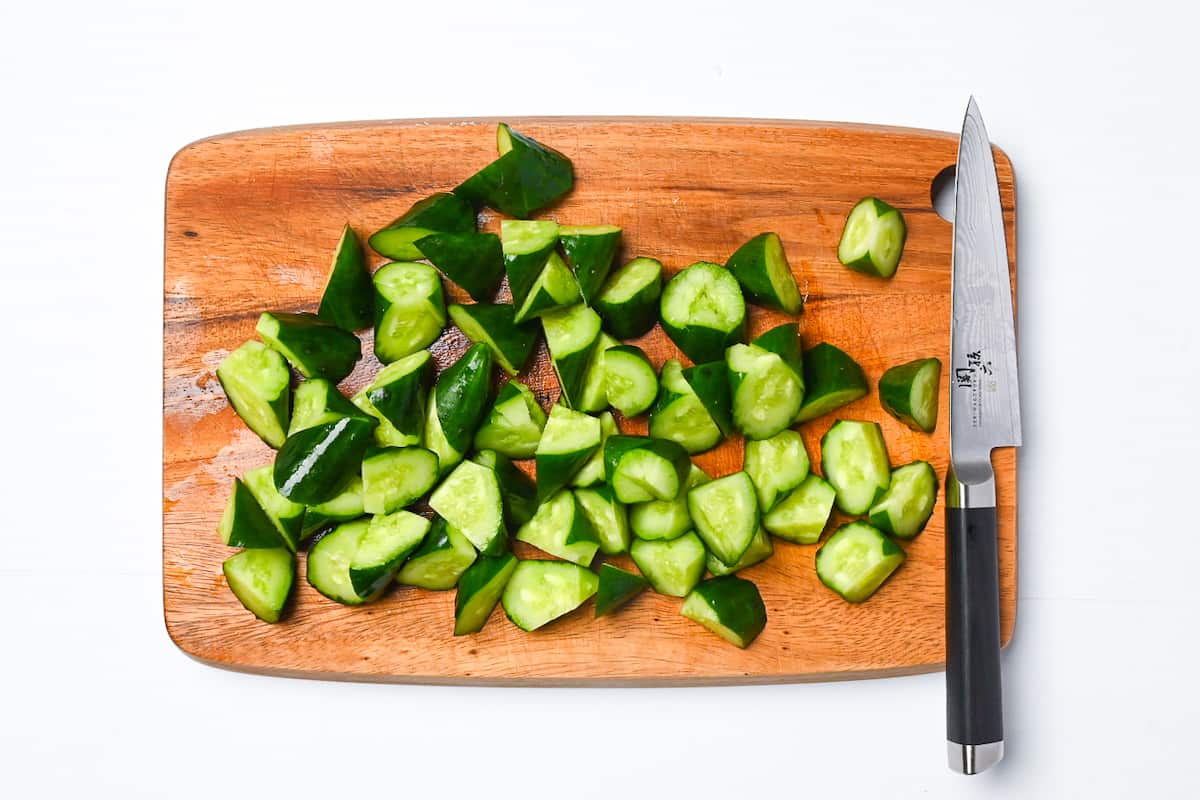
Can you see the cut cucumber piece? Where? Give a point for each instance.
(329, 562)
(673, 566)
(616, 588)
(410, 309)
(514, 425)
(459, 399)
(710, 382)
(629, 380)
(680, 415)
(608, 516)
(257, 382)
(760, 550)
(571, 335)
(469, 500)
(244, 522)
(725, 513)
(762, 269)
(396, 477)
(382, 548)
(555, 287)
(908, 502)
(594, 395)
(784, 341)
(493, 324)
(261, 580)
(856, 560)
(855, 462)
(517, 490)
(439, 213)
(345, 506)
(592, 471)
(542, 591)
(472, 260)
(349, 298)
(526, 246)
(703, 311)
(568, 441)
(317, 401)
(317, 463)
(801, 517)
(873, 238)
(628, 302)
(590, 250)
(766, 391)
(397, 397)
(561, 528)
(440, 560)
(287, 516)
(526, 177)
(479, 591)
(730, 607)
(316, 348)
(909, 393)
(776, 465)
(666, 519)
(640, 468)
(831, 380)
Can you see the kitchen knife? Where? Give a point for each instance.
(984, 414)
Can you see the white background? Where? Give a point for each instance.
(1096, 105)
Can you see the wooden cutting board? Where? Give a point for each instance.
(251, 222)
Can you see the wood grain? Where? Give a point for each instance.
(251, 221)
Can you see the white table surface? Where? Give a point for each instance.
(1096, 105)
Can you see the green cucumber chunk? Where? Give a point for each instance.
(396, 397)
(628, 302)
(317, 463)
(329, 562)
(592, 471)
(514, 425)
(286, 515)
(760, 550)
(526, 246)
(766, 392)
(382, 548)
(571, 336)
(493, 324)
(703, 311)
(680, 416)
(462, 395)
(349, 298)
(561, 528)
(616, 588)
(855, 462)
(244, 523)
(435, 440)
(856, 560)
(589, 251)
(517, 489)
(776, 465)
(831, 380)
(801, 517)
(526, 177)
(261, 580)
(441, 212)
(440, 560)
(629, 380)
(729, 606)
(909, 393)
(873, 238)
(555, 287)
(640, 468)
(542, 591)
(316, 348)
(710, 382)
(472, 260)
(317, 401)
(345, 506)
(666, 519)
(257, 382)
(608, 516)
(725, 513)
(593, 396)
(673, 566)
(410, 309)
(469, 500)
(908, 502)
(569, 439)
(762, 269)
(479, 591)
(396, 477)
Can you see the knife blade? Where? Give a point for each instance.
(984, 414)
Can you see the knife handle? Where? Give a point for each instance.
(974, 710)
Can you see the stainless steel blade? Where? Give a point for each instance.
(984, 405)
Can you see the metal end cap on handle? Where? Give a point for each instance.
(971, 759)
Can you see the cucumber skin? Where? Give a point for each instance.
(349, 297)
(710, 382)
(617, 587)
(528, 177)
(513, 343)
(895, 392)
(402, 401)
(590, 257)
(571, 371)
(474, 261)
(321, 349)
(701, 344)
(829, 370)
(251, 527)
(462, 394)
(635, 316)
(617, 446)
(442, 212)
(748, 265)
(481, 577)
(737, 604)
(784, 341)
(310, 480)
(523, 270)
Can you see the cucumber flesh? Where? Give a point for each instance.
(561, 528)
(873, 239)
(517, 490)
(440, 561)
(776, 465)
(410, 309)
(592, 471)
(396, 477)
(514, 425)
(479, 591)
(762, 269)
(387, 541)
(593, 396)
(767, 392)
(628, 302)
(666, 519)
(831, 380)
(617, 587)
(569, 439)
(640, 468)
(435, 439)
(703, 311)
(317, 401)
(855, 462)
(555, 287)
(856, 560)
(801, 517)
(469, 500)
(673, 566)
(908, 502)
(680, 415)
(329, 562)
(526, 245)
(287, 516)
(629, 380)
(345, 506)
(542, 591)
(909, 393)
(608, 516)
(730, 607)
(261, 580)
(760, 550)
(725, 513)
(257, 382)
(571, 335)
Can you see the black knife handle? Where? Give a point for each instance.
(974, 714)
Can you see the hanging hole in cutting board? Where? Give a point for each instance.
(941, 191)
